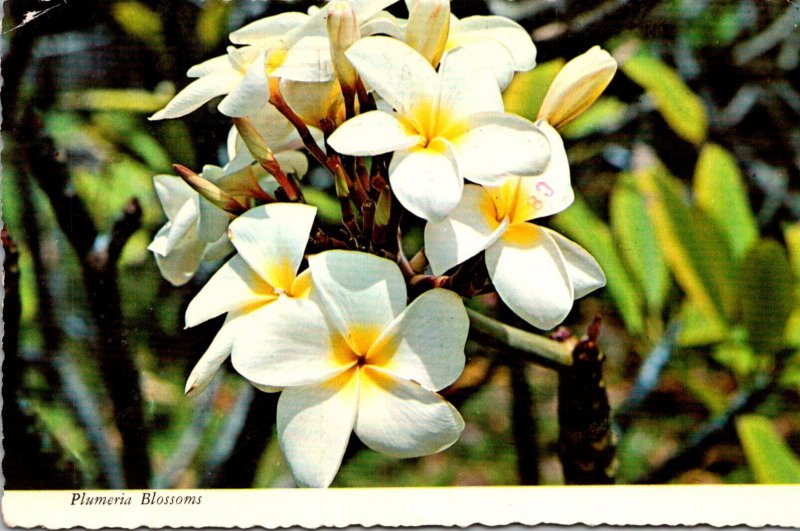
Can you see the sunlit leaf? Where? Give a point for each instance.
(328, 208)
(138, 20)
(681, 108)
(769, 457)
(695, 249)
(582, 225)
(211, 22)
(526, 92)
(720, 192)
(604, 116)
(737, 356)
(767, 295)
(791, 234)
(699, 326)
(133, 100)
(636, 241)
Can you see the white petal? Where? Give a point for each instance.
(292, 162)
(583, 269)
(426, 181)
(490, 55)
(309, 60)
(463, 89)
(213, 221)
(314, 426)
(235, 286)
(289, 343)
(498, 145)
(272, 239)
(551, 191)
(250, 94)
(312, 101)
(373, 133)
(269, 27)
(216, 354)
(180, 231)
(199, 92)
(401, 419)
(218, 250)
(367, 8)
(395, 70)
(173, 193)
(384, 23)
(528, 272)
(180, 264)
(362, 293)
(469, 229)
(426, 342)
(500, 29)
(210, 66)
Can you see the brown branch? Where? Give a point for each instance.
(100, 279)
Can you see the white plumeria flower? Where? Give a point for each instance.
(448, 126)
(537, 272)
(499, 44)
(257, 285)
(361, 361)
(195, 230)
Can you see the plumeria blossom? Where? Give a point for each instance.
(255, 287)
(358, 360)
(537, 272)
(498, 44)
(447, 126)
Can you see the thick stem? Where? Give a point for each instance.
(586, 442)
(524, 426)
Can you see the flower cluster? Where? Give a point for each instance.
(401, 112)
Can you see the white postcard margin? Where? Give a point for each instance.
(726, 505)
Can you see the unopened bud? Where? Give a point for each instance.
(209, 190)
(428, 28)
(577, 86)
(342, 32)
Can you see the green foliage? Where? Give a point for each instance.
(604, 116)
(329, 209)
(139, 21)
(720, 192)
(766, 295)
(582, 225)
(771, 460)
(211, 23)
(131, 100)
(681, 108)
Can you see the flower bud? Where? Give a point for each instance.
(577, 86)
(428, 28)
(342, 32)
(209, 190)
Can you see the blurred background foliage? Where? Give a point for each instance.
(687, 173)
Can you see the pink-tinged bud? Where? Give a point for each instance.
(210, 191)
(577, 86)
(342, 32)
(428, 28)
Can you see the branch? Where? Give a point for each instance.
(528, 346)
(524, 425)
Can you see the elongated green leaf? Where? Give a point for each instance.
(700, 326)
(329, 209)
(525, 93)
(791, 234)
(133, 100)
(720, 192)
(682, 109)
(604, 116)
(636, 241)
(769, 457)
(211, 22)
(138, 20)
(767, 295)
(579, 223)
(695, 249)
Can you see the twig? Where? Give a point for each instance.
(781, 28)
(100, 278)
(524, 425)
(717, 428)
(586, 442)
(648, 377)
(532, 347)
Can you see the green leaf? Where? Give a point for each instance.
(681, 108)
(699, 326)
(720, 192)
(604, 116)
(636, 241)
(694, 247)
(580, 224)
(767, 295)
(139, 21)
(526, 91)
(736, 356)
(329, 209)
(769, 457)
(132, 100)
(791, 234)
(211, 22)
